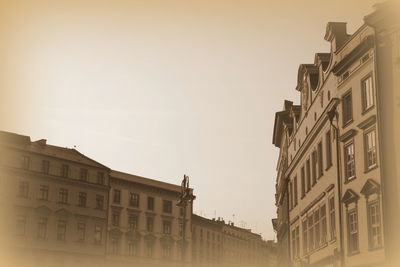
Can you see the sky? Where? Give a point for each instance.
(166, 88)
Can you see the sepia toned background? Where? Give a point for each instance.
(163, 88)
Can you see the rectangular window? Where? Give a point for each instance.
(311, 232)
(293, 239)
(134, 200)
(42, 228)
(374, 225)
(352, 228)
(320, 161)
(63, 196)
(82, 199)
(25, 162)
(347, 108)
(317, 229)
(166, 227)
(305, 242)
(133, 222)
(166, 251)
(167, 206)
(100, 178)
(150, 203)
(21, 225)
(99, 202)
(115, 218)
(295, 191)
(64, 170)
(149, 248)
(314, 167)
(45, 166)
(23, 189)
(290, 188)
(303, 183)
(370, 149)
(349, 161)
(132, 248)
(117, 196)
(44, 192)
(297, 241)
(81, 228)
(308, 175)
(84, 174)
(328, 149)
(332, 218)
(61, 230)
(324, 228)
(114, 245)
(98, 234)
(149, 224)
(367, 93)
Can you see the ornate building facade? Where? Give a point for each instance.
(334, 157)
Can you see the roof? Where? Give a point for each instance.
(24, 143)
(145, 181)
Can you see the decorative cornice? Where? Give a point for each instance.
(347, 135)
(367, 122)
(349, 197)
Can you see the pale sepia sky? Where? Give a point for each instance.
(166, 88)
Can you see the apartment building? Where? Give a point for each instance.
(145, 223)
(331, 143)
(53, 202)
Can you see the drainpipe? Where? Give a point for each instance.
(332, 114)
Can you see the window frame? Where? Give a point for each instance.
(366, 149)
(364, 98)
(347, 112)
(352, 162)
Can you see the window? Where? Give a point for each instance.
(45, 166)
(114, 245)
(290, 188)
(64, 170)
(82, 199)
(328, 145)
(42, 228)
(347, 108)
(134, 200)
(21, 225)
(81, 228)
(133, 222)
(305, 241)
(98, 233)
(297, 238)
(84, 174)
(23, 189)
(100, 178)
(293, 239)
(167, 206)
(324, 228)
(308, 175)
(317, 229)
(352, 228)
(332, 219)
(180, 228)
(61, 230)
(117, 196)
(44, 192)
(374, 225)
(314, 167)
(132, 248)
(63, 196)
(303, 183)
(149, 248)
(370, 149)
(25, 162)
(295, 191)
(149, 224)
(320, 161)
(367, 93)
(167, 227)
(115, 218)
(166, 251)
(349, 161)
(99, 202)
(150, 203)
(311, 232)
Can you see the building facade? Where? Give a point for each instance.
(145, 223)
(332, 144)
(54, 204)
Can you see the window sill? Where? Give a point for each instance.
(328, 167)
(349, 254)
(350, 179)
(347, 123)
(376, 248)
(373, 167)
(366, 110)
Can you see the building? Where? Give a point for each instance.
(333, 152)
(145, 223)
(216, 243)
(53, 202)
